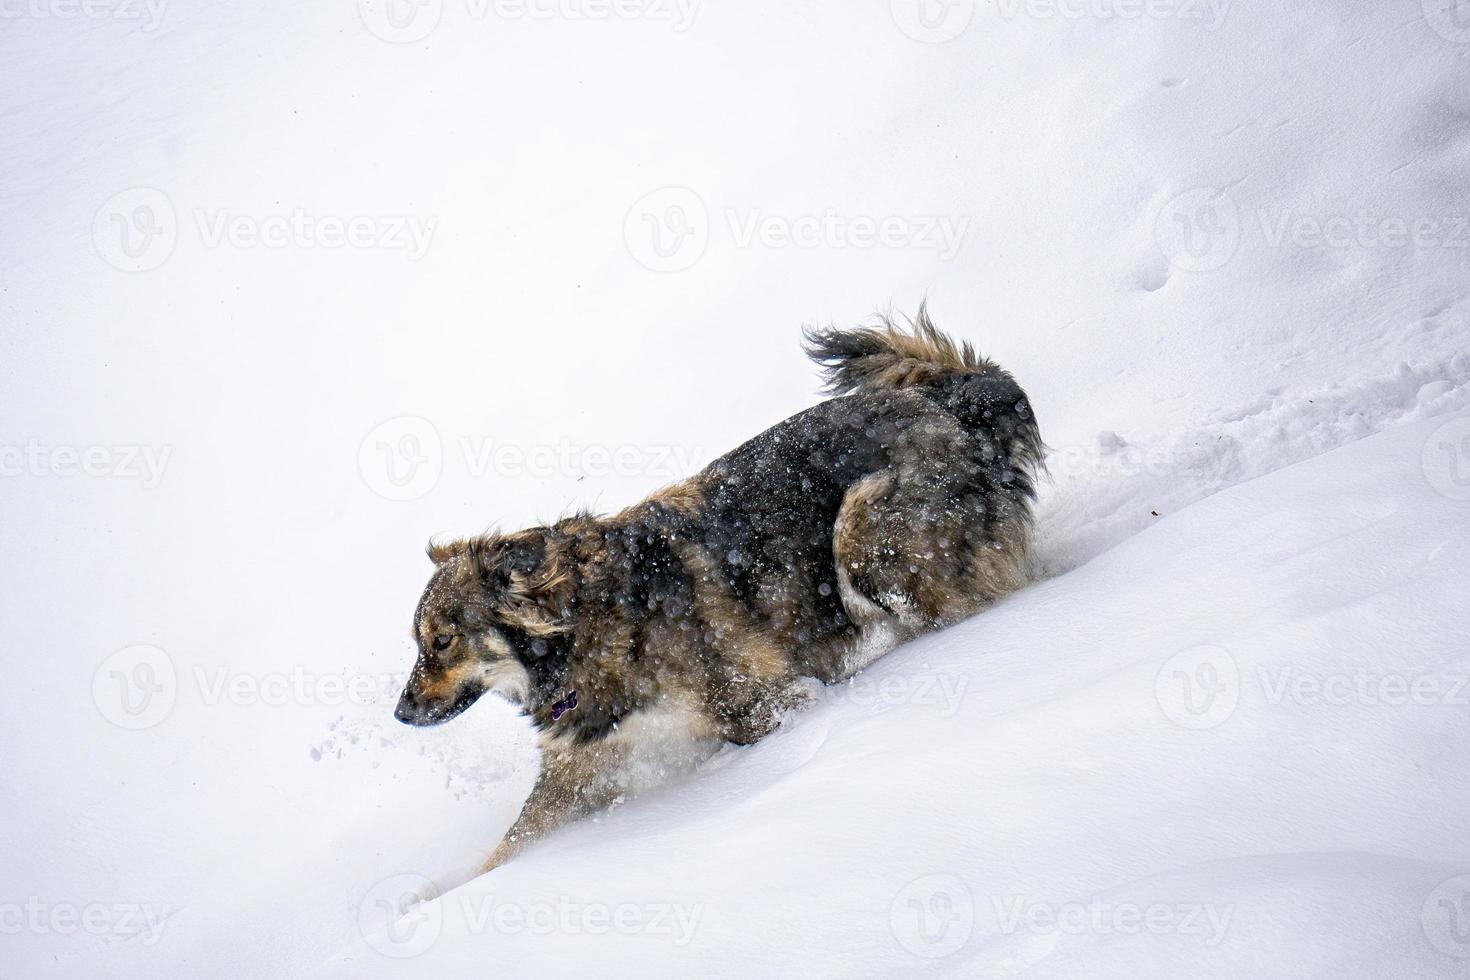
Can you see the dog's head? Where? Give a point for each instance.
(493, 605)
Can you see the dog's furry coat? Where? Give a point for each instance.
(896, 507)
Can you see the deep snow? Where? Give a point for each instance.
(1193, 240)
(1224, 748)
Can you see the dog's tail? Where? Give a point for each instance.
(888, 356)
(977, 391)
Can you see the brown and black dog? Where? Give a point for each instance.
(700, 615)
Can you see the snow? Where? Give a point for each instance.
(1294, 824)
(1222, 736)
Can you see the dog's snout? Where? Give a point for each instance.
(406, 711)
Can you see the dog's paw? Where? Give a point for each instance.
(768, 712)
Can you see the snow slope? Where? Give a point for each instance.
(1060, 788)
(1213, 240)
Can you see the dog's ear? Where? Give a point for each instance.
(509, 562)
(528, 577)
(441, 551)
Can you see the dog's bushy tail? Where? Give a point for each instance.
(978, 392)
(890, 356)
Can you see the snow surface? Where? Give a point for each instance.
(1223, 736)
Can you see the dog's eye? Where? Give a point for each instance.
(441, 643)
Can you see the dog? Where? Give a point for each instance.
(707, 612)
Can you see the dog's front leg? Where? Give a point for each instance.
(575, 780)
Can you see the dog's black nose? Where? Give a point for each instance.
(405, 712)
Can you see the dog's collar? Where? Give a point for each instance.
(563, 706)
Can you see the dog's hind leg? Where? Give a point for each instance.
(911, 544)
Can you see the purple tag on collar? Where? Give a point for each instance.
(563, 706)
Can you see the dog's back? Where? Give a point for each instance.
(902, 503)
